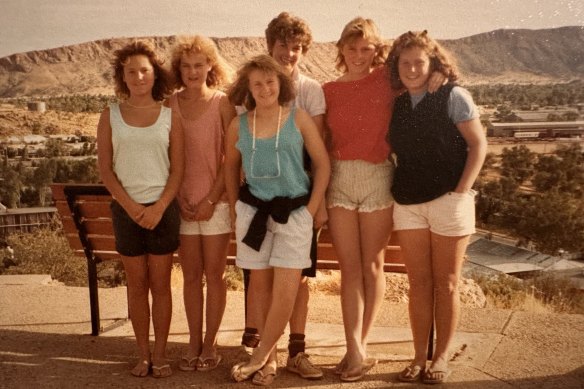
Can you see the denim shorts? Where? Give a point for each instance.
(452, 214)
(133, 240)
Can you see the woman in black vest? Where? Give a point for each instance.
(439, 147)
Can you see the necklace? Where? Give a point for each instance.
(277, 128)
(143, 106)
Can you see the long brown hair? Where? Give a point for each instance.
(162, 85)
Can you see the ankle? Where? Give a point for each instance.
(296, 345)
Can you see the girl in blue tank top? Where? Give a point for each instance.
(274, 211)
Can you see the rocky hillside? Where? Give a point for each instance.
(505, 56)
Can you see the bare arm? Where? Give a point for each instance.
(321, 216)
(320, 162)
(153, 213)
(232, 166)
(206, 207)
(472, 132)
(106, 171)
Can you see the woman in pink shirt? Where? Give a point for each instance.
(205, 224)
(359, 201)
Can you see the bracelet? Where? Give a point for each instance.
(210, 202)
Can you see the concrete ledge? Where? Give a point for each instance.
(26, 279)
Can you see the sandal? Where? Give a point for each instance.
(341, 366)
(161, 371)
(411, 373)
(368, 364)
(141, 369)
(188, 364)
(210, 363)
(353, 376)
(264, 377)
(435, 376)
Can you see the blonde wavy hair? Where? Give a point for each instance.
(361, 28)
(219, 74)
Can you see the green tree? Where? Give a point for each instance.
(55, 148)
(10, 188)
(517, 163)
(43, 177)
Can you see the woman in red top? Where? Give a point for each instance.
(359, 201)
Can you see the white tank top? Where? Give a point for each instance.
(140, 155)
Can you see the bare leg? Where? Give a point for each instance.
(375, 229)
(215, 259)
(344, 228)
(300, 312)
(416, 250)
(191, 259)
(447, 260)
(136, 269)
(282, 284)
(159, 267)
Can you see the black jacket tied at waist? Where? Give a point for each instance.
(279, 208)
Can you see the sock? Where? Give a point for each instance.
(296, 344)
(250, 337)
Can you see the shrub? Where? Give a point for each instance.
(46, 251)
(503, 291)
(547, 290)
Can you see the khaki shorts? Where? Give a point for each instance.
(452, 214)
(219, 223)
(360, 185)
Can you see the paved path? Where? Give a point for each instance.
(44, 343)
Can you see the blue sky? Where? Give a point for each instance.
(40, 24)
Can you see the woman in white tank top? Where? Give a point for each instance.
(141, 158)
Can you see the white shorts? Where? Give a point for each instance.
(220, 223)
(285, 245)
(452, 214)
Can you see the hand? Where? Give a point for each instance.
(204, 210)
(187, 209)
(187, 214)
(232, 216)
(136, 212)
(436, 80)
(321, 216)
(152, 216)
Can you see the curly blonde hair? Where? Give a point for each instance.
(239, 93)
(162, 83)
(218, 75)
(440, 59)
(361, 28)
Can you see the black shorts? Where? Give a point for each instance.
(311, 271)
(133, 240)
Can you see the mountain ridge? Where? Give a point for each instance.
(500, 56)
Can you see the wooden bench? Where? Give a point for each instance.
(86, 217)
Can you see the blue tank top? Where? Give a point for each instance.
(269, 171)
